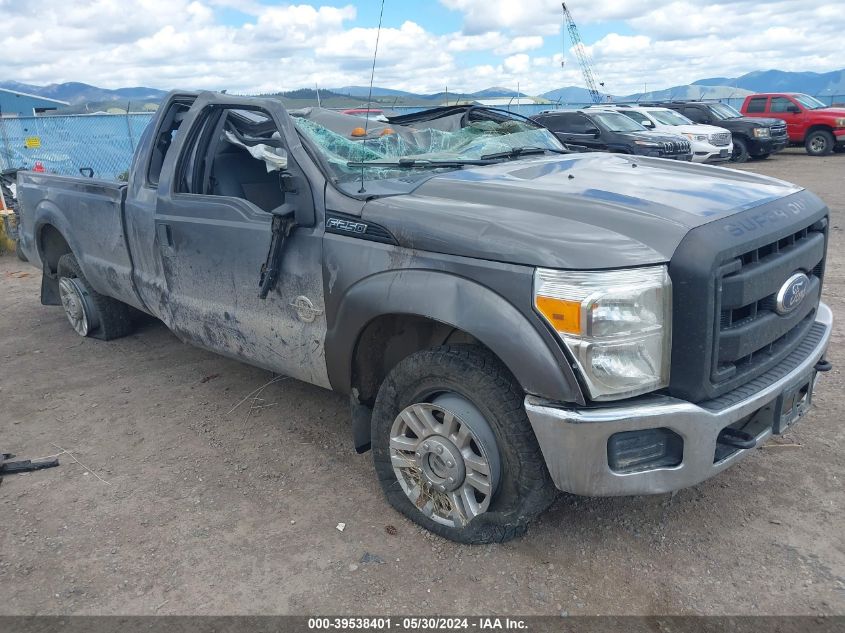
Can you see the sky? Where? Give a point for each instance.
(253, 46)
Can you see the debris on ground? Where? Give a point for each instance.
(341, 527)
(24, 465)
(368, 558)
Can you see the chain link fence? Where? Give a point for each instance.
(64, 144)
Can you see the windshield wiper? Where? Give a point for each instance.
(409, 163)
(516, 152)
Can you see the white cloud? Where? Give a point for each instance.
(183, 43)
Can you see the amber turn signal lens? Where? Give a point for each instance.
(564, 316)
(386, 131)
(359, 131)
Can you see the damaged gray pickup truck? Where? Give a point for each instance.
(507, 317)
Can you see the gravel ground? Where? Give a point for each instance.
(177, 502)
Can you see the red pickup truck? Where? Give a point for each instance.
(820, 128)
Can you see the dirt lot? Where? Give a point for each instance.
(188, 504)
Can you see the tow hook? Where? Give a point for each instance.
(823, 365)
(736, 438)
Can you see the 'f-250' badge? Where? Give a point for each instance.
(792, 293)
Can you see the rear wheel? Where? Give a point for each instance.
(819, 143)
(740, 153)
(88, 312)
(453, 448)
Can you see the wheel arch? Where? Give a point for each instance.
(819, 127)
(51, 244)
(386, 317)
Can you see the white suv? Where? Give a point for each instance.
(710, 144)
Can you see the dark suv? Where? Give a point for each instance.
(752, 137)
(613, 132)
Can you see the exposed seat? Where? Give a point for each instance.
(237, 174)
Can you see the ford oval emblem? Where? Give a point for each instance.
(792, 293)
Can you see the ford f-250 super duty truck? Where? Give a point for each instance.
(507, 317)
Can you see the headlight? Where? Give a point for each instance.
(696, 137)
(617, 325)
(647, 143)
(840, 122)
(762, 132)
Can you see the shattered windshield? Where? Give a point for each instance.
(446, 138)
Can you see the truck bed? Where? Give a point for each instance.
(89, 214)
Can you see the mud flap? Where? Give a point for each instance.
(50, 288)
(362, 416)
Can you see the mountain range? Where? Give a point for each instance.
(75, 92)
(819, 84)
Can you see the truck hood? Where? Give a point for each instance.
(582, 211)
(758, 121)
(834, 112)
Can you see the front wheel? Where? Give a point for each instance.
(453, 448)
(819, 143)
(740, 153)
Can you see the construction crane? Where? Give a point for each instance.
(581, 53)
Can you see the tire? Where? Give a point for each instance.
(89, 312)
(740, 153)
(473, 384)
(819, 143)
(762, 156)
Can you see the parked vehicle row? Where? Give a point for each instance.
(609, 131)
(710, 144)
(752, 138)
(715, 131)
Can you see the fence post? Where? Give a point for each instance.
(129, 127)
(6, 154)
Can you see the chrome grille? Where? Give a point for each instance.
(675, 147)
(778, 131)
(721, 139)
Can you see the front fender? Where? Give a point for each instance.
(461, 303)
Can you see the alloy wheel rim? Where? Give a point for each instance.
(448, 469)
(74, 306)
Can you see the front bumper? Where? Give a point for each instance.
(757, 146)
(719, 155)
(575, 441)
